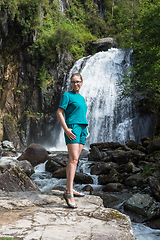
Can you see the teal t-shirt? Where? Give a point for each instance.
(74, 107)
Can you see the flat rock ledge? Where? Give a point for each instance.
(38, 216)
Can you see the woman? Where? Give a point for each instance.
(75, 130)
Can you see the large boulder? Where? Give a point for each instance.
(13, 179)
(135, 146)
(143, 204)
(110, 178)
(113, 187)
(134, 180)
(83, 178)
(103, 168)
(52, 166)
(154, 145)
(35, 154)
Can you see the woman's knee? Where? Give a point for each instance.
(73, 159)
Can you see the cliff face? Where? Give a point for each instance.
(26, 107)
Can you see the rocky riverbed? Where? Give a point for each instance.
(128, 178)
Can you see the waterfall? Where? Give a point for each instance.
(109, 118)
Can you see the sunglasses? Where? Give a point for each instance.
(74, 82)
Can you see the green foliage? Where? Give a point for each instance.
(7, 238)
(143, 82)
(73, 31)
(148, 171)
(43, 77)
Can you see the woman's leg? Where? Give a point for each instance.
(74, 151)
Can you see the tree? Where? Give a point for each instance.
(142, 82)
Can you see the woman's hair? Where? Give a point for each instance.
(78, 75)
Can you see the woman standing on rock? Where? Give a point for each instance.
(75, 130)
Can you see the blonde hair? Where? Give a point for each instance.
(78, 75)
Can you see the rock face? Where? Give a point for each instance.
(13, 179)
(35, 154)
(104, 44)
(26, 108)
(41, 216)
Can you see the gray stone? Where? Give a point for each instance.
(95, 154)
(52, 166)
(83, 178)
(38, 216)
(104, 44)
(113, 187)
(154, 145)
(103, 168)
(110, 178)
(143, 204)
(134, 180)
(135, 146)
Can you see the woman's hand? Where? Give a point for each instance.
(69, 134)
(88, 134)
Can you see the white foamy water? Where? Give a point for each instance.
(109, 118)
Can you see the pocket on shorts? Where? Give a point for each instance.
(84, 132)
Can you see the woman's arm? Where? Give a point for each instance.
(61, 119)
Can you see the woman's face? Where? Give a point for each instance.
(76, 83)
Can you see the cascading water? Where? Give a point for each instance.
(109, 119)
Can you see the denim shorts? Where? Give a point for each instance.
(80, 131)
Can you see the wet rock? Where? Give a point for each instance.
(52, 166)
(82, 178)
(103, 168)
(134, 180)
(110, 178)
(145, 141)
(154, 145)
(88, 188)
(35, 154)
(123, 157)
(84, 154)
(12, 179)
(155, 187)
(126, 167)
(135, 146)
(60, 173)
(106, 146)
(113, 187)
(95, 154)
(60, 158)
(143, 204)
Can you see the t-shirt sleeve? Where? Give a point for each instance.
(64, 101)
